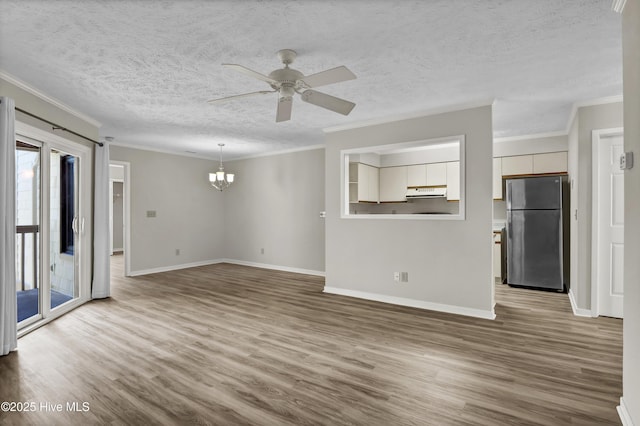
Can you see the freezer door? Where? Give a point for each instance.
(534, 248)
(537, 193)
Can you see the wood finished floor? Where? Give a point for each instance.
(233, 345)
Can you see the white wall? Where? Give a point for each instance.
(631, 70)
(449, 262)
(188, 210)
(275, 204)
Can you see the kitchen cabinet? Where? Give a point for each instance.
(363, 183)
(393, 184)
(452, 179)
(497, 179)
(517, 165)
(353, 182)
(368, 185)
(374, 184)
(436, 174)
(553, 162)
(417, 175)
(433, 174)
(497, 254)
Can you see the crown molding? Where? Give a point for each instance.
(41, 95)
(409, 115)
(618, 5)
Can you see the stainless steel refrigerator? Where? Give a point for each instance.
(536, 233)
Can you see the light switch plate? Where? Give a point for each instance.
(151, 213)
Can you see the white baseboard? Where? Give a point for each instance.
(274, 267)
(625, 417)
(233, 261)
(451, 309)
(174, 267)
(579, 312)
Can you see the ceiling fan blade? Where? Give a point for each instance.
(334, 75)
(245, 95)
(327, 101)
(251, 73)
(284, 109)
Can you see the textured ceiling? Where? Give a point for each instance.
(145, 69)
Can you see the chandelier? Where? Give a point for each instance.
(221, 180)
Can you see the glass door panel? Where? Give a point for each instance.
(64, 227)
(28, 281)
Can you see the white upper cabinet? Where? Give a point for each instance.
(517, 165)
(452, 170)
(436, 174)
(553, 162)
(393, 184)
(367, 183)
(374, 184)
(417, 175)
(497, 179)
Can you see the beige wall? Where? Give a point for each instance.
(449, 262)
(631, 70)
(188, 210)
(275, 205)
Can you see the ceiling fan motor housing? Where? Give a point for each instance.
(287, 79)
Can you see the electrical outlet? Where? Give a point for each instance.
(177, 252)
(404, 277)
(151, 213)
(262, 251)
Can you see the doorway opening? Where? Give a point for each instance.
(119, 196)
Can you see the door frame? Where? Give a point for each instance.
(127, 213)
(111, 182)
(47, 142)
(596, 139)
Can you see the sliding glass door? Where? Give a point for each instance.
(28, 277)
(64, 228)
(53, 202)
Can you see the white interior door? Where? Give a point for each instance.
(610, 227)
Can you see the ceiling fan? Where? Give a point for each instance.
(287, 81)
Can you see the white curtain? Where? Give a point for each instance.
(101, 287)
(8, 301)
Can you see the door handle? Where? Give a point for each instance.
(82, 225)
(74, 225)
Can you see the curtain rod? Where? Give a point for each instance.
(58, 127)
